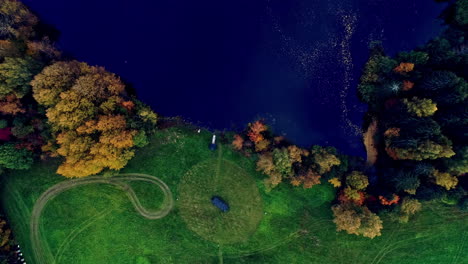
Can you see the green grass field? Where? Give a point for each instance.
(97, 223)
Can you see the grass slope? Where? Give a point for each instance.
(98, 224)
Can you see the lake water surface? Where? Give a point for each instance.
(225, 63)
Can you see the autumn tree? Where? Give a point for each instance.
(353, 195)
(277, 165)
(357, 220)
(255, 131)
(445, 180)
(335, 182)
(266, 165)
(408, 207)
(238, 142)
(296, 153)
(308, 179)
(394, 199)
(262, 145)
(357, 180)
(323, 159)
(92, 126)
(16, 20)
(55, 79)
(426, 149)
(5, 234)
(420, 100)
(9, 48)
(420, 107)
(404, 67)
(11, 105)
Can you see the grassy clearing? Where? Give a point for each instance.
(229, 181)
(98, 224)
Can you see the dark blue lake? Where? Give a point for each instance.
(224, 63)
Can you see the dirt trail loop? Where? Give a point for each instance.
(118, 181)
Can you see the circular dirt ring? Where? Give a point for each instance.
(219, 177)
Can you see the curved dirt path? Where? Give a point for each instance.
(117, 180)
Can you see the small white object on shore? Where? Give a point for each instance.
(213, 140)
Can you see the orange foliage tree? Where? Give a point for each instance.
(255, 131)
(407, 85)
(404, 67)
(91, 120)
(385, 201)
(307, 179)
(238, 142)
(10, 105)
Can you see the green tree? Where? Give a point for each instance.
(458, 164)
(3, 123)
(406, 180)
(461, 13)
(415, 57)
(16, 74)
(376, 73)
(13, 158)
(283, 163)
(140, 139)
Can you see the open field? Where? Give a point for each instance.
(97, 223)
(235, 186)
(117, 181)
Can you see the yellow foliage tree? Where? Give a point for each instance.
(445, 180)
(119, 138)
(81, 104)
(357, 180)
(420, 107)
(55, 79)
(295, 154)
(262, 145)
(408, 207)
(335, 182)
(425, 150)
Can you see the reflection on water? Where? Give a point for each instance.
(225, 63)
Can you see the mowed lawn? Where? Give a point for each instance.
(97, 223)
